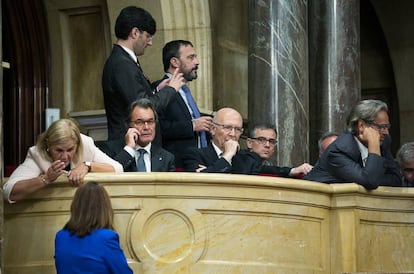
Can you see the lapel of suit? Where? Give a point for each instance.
(136, 64)
(126, 54)
(156, 158)
(181, 103)
(211, 152)
(183, 106)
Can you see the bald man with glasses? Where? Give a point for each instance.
(223, 154)
(263, 141)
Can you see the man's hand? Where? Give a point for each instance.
(302, 169)
(200, 168)
(131, 137)
(372, 138)
(204, 123)
(230, 149)
(176, 81)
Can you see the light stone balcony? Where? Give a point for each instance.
(221, 223)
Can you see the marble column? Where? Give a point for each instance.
(334, 75)
(278, 74)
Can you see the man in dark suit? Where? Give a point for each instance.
(137, 148)
(123, 80)
(262, 140)
(182, 126)
(362, 153)
(223, 155)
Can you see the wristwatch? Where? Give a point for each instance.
(88, 164)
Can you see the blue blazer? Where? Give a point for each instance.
(98, 252)
(342, 163)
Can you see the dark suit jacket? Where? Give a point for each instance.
(124, 82)
(161, 160)
(342, 163)
(177, 128)
(244, 162)
(276, 170)
(98, 252)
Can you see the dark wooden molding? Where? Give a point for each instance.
(25, 88)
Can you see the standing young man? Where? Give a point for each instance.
(123, 80)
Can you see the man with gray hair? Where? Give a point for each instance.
(137, 151)
(326, 139)
(405, 159)
(362, 153)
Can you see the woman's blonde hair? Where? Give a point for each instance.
(60, 132)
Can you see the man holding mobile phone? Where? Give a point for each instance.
(136, 152)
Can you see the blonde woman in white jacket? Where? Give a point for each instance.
(61, 149)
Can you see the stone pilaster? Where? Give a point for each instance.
(278, 74)
(334, 75)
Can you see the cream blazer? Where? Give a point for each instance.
(34, 165)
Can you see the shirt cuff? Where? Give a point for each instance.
(130, 151)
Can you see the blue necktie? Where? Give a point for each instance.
(196, 113)
(140, 162)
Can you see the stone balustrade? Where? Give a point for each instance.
(221, 223)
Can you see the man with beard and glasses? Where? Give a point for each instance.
(182, 125)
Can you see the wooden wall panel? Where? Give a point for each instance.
(25, 87)
(80, 38)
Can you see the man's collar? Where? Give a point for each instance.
(217, 149)
(362, 148)
(147, 148)
(130, 52)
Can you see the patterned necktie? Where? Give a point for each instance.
(140, 162)
(196, 113)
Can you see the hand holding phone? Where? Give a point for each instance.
(132, 137)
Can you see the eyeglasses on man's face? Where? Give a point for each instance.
(263, 141)
(148, 36)
(379, 126)
(141, 123)
(229, 128)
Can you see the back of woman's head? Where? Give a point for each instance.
(91, 209)
(60, 132)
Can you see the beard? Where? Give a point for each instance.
(190, 76)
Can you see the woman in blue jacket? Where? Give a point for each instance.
(88, 242)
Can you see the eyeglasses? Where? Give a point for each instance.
(263, 141)
(141, 123)
(228, 128)
(147, 35)
(379, 126)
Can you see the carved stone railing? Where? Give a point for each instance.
(215, 223)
